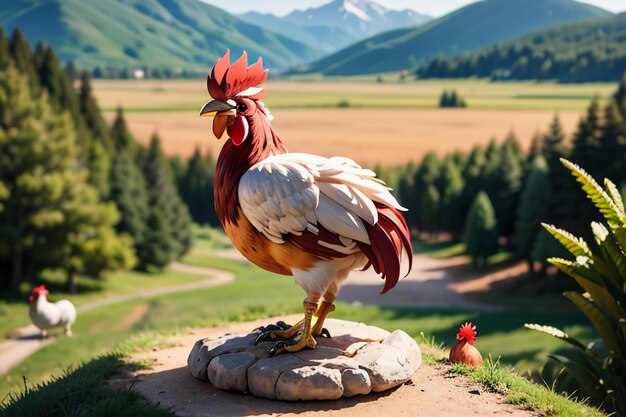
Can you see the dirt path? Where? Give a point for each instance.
(432, 392)
(27, 340)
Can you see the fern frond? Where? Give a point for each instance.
(612, 250)
(613, 192)
(554, 332)
(576, 246)
(597, 195)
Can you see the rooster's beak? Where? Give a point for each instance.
(223, 114)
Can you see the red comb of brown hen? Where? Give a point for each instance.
(227, 81)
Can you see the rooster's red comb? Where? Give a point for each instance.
(40, 289)
(467, 332)
(228, 81)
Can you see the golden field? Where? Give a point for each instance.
(386, 123)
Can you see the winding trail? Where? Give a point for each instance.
(27, 340)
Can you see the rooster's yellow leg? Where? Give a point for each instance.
(305, 340)
(320, 316)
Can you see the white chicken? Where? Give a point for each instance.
(46, 315)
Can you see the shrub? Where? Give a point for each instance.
(598, 368)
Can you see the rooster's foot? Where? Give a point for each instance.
(293, 345)
(272, 331)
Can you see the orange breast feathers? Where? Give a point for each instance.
(309, 207)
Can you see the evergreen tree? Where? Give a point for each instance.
(429, 209)
(425, 176)
(452, 186)
(39, 169)
(512, 143)
(508, 182)
(85, 241)
(128, 191)
(560, 180)
(444, 99)
(536, 147)
(473, 175)
(554, 146)
(196, 188)
(533, 208)
(20, 52)
(164, 196)
(613, 144)
(4, 51)
(122, 139)
(159, 246)
(92, 115)
(481, 230)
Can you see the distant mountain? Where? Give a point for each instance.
(475, 26)
(186, 34)
(575, 52)
(337, 24)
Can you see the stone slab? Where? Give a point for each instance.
(357, 360)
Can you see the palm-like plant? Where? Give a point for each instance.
(599, 368)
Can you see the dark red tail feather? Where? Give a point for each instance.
(389, 237)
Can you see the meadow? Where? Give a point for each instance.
(354, 116)
(104, 329)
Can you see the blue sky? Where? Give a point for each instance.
(431, 7)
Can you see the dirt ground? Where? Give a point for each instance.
(369, 136)
(431, 393)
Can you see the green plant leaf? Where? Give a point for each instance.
(606, 205)
(576, 246)
(613, 192)
(554, 332)
(579, 365)
(603, 323)
(591, 282)
(616, 259)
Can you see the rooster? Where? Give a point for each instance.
(297, 214)
(46, 315)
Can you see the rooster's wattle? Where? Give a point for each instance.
(297, 214)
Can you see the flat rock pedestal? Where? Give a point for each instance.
(357, 360)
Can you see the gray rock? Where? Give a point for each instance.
(309, 383)
(229, 371)
(355, 382)
(358, 359)
(392, 362)
(206, 349)
(263, 375)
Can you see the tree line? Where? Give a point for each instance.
(76, 194)
(499, 194)
(589, 52)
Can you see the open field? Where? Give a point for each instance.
(386, 123)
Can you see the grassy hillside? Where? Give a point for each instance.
(475, 26)
(185, 34)
(580, 52)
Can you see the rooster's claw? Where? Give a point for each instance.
(266, 332)
(325, 333)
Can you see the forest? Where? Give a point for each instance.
(583, 52)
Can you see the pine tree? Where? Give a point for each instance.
(508, 181)
(613, 144)
(512, 143)
(429, 209)
(196, 188)
(163, 194)
(128, 191)
(46, 189)
(452, 187)
(86, 241)
(444, 99)
(21, 54)
(92, 115)
(481, 230)
(536, 147)
(4, 51)
(473, 175)
(425, 176)
(554, 146)
(533, 209)
(560, 180)
(122, 139)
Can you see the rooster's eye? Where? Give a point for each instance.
(242, 107)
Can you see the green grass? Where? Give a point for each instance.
(362, 93)
(14, 310)
(520, 391)
(257, 294)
